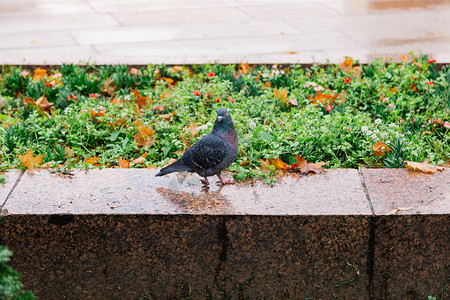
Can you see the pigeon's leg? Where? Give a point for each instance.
(221, 181)
(205, 181)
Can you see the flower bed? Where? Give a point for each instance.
(346, 115)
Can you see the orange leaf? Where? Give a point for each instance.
(167, 79)
(39, 73)
(245, 68)
(95, 114)
(141, 141)
(281, 94)
(245, 163)
(380, 149)
(258, 76)
(123, 163)
(164, 95)
(347, 65)
(322, 98)
(93, 161)
(423, 167)
(146, 132)
(28, 161)
(116, 101)
(140, 100)
(290, 52)
(137, 123)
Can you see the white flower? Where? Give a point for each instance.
(364, 128)
(204, 126)
(310, 83)
(392, 125)
(374, 137)
(369, 132)
(378, 121)
(127, 98)
(68, 110)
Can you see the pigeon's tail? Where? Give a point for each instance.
(175, 167)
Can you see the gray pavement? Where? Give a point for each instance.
(224, 31)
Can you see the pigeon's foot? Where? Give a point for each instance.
(223, 182)
(205, 181)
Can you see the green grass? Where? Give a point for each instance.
(95, 113)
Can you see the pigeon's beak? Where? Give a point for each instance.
(219, 118)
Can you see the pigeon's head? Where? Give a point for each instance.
(223, 119)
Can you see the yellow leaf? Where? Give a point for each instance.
(28, 100)
(278, 164)
(28, 161)
(140, 160)
(423, 167)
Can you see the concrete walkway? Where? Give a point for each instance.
(225, 31)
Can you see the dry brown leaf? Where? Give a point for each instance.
(380, 149)
(140, 159)
(108, 87)
(44, 105)
(135, 72)
(169, 80)
(94, 114)
(347, 65)
(258, 76)
(304, 166)
(280, 94)
(39, 74)
(323, 98)
(29, 161)
(423, 167)
(116, 101)
(264, 163)
(146, 132)
(168, 117)
(164, 95)
(123, 163)
(193, 129)
(290, 52)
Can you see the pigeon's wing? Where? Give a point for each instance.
(207, 153)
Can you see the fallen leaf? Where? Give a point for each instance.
(135, 72)
(304, 166)
(116, 101)
(140, 100)
(290, 52)
(93, 161)
(279, 164)
(404, 57)
(380, 149)
(347, 65)
(245, 163)
(28, 100)
(323, 98)
(169, 80)
(94, 114)
(258, 76)
(280, 94)
(193, 129)
(264, 163)
(140, 159)
(164, 95)
(44, 105)
(245, 68)
(423, 167)
(168, 117)
(146, 131)
(29, 161)
(108, 87)
(123, 163)
(118, 123)
(39, 74)
(399, 209)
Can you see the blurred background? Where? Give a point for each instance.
(225, 31)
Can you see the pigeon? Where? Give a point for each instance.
(212, 154)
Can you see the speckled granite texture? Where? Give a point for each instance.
(123, 234)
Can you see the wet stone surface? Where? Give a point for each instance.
(400, 191)
(11, 178)
(138, 191)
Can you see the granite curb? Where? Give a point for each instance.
(137, 191)
(124, 234)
